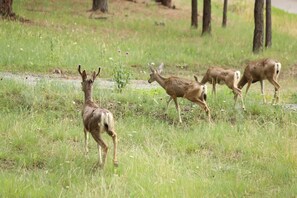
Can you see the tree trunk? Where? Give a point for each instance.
(206, 26)
(224, 23)
(100, 5)
(194, 21)
(258, 31)
(268, 37)
(6, 8)
(165, 2)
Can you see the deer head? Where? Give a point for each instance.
(155, 73)
(87, 84)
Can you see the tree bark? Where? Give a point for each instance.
(101, 5)
(268, 36)
(194, 19)
(6, 8)
(206, 26)
(224, 22)
(258, 31)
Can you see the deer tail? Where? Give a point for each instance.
(277, 68)
(107, 121)
(236, 78)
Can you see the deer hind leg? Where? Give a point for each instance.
(177, 108)
(86, 141)
(101, 145)
(115, 142)
(276, 88)
(237, 92)
(262, 91)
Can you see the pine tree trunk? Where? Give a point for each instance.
(206, 26)
(224, 22)
(258, 31)
(6, 8)
(100, 5)
(194, 21)
(268, 36)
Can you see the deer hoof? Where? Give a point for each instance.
(116, 163)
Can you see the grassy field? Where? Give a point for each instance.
(252, 153)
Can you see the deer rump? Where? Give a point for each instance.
(100, 119)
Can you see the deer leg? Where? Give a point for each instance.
(86, 141)
(262, 91)
(177, 108)
(248, 86)
(102, 145)
(168, 102)
(276, 88)
(115, 142)
(204, 107)
(214, 87)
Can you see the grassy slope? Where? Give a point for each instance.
(41, 138)
(62, 35)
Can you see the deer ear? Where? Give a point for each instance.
(160, 68)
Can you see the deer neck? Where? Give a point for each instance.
(88, 96)
(161, 80)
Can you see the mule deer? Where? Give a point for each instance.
(261, 70)
(218, 75)
(96, 120)
(177, 87)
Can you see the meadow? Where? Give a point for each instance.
(252, 153)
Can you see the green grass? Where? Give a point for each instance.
(61, 35)
(252, 153)
(249, 153)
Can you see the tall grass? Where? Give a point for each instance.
(249, 153)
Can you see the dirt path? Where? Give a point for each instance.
(32, 79)
(286, 5)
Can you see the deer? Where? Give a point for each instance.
(260, 70)
(218, 75)
(96, 120)
(177, 87)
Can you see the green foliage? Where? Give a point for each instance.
(121, 75)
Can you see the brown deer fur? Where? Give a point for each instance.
(96, 120)
(261, 70)
(177, 87)
(218, 75)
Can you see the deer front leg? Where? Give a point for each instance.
(168, 102)
(86, 141)
(177, 108)
(214, 92)
(262, 91)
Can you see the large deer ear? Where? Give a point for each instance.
(82, 74)
(160, 68)
(95, 75)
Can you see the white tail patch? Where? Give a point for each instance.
(277, 68)
(204, 88)
(106, 120)
(236, 78)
